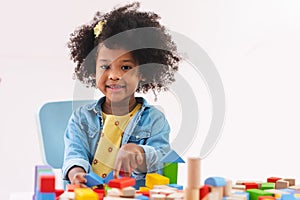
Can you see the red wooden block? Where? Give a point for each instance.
(266, 198)
(273, 179)
(204, 190)
(121, 182)
(47, 183)
(251, 185)
(59, 192)
(145, 193)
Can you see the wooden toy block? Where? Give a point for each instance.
(121, 182)
(228, 188)
(161, 191)
(47, 183)
(141, 197)
(215, 181)
(290, 180)
(191, 193)
(67, 196)
(266, 186)
(71, 187)
(93, 179)
(128, 192)
(85, 194)
(295, 187)
(273, 179)
(255, 193)
(266, 198)
(241, 195)
(193, 179)
(239, 187)
(143, 189)
(251, 186)
(45, 196)
(156, 179)
(176, 196)
(281, 184)
(114, 192)
(158, 197)
(163, 187)
(217, 192)
(176, 186)
(170, 170)
(287, 197)
(204, 191)
(59, 192)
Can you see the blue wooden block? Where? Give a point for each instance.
(93, 179)
(215, 181)
(45, 196)
(110, 176)
(142, 197)
(244, 193)
(178, 187)
(288, 197)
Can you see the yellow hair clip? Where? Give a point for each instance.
(98, 28)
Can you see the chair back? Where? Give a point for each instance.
(52, 121)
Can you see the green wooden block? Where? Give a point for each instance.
(267, 186)
(170, 170)
(255, 193)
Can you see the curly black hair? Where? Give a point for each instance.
(129, 29)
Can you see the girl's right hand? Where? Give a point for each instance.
(79, 179)
(77, 176)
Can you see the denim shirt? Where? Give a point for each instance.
(148, 128)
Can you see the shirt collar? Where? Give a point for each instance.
(96, 106)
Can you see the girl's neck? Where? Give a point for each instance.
(118, 108)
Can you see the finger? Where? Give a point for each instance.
(139, 158)
(126, 167)
(117, 168)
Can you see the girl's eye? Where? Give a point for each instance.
(125, 67)
(104, 66)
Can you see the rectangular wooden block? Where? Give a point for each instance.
(156, 179)
(121, 182)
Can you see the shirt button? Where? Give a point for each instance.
(95, 161)
(103, 175)
(110, 149)
(117, 123)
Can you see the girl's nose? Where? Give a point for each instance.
(114, 74)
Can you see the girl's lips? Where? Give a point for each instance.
(115, 87)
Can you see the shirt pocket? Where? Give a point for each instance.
(89, 130)
(139, 136)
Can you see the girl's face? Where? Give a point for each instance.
(117, 75)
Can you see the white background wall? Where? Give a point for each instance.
(254, 44)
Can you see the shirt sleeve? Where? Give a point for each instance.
(157, 145)
(76, 145)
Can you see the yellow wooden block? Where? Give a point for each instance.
(156, 179)
(85, 194)
(144, 189)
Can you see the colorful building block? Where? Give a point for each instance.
(93, 179)
(176, 186)
(255, 193)
(251, 186)
(45, 196)
(47, 183)
(215, 181)
(273, 179)
(266, 198)
(85, 194)
(156, 179)
(204, 191)
(280, 184)
(266, 186)
(170, 170)
(121, 182)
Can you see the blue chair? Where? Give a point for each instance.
(52, 121)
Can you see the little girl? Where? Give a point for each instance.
(120, 132)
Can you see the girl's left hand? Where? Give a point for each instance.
(130, 156)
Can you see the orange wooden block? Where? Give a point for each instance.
(72, 187)
(121, 182)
